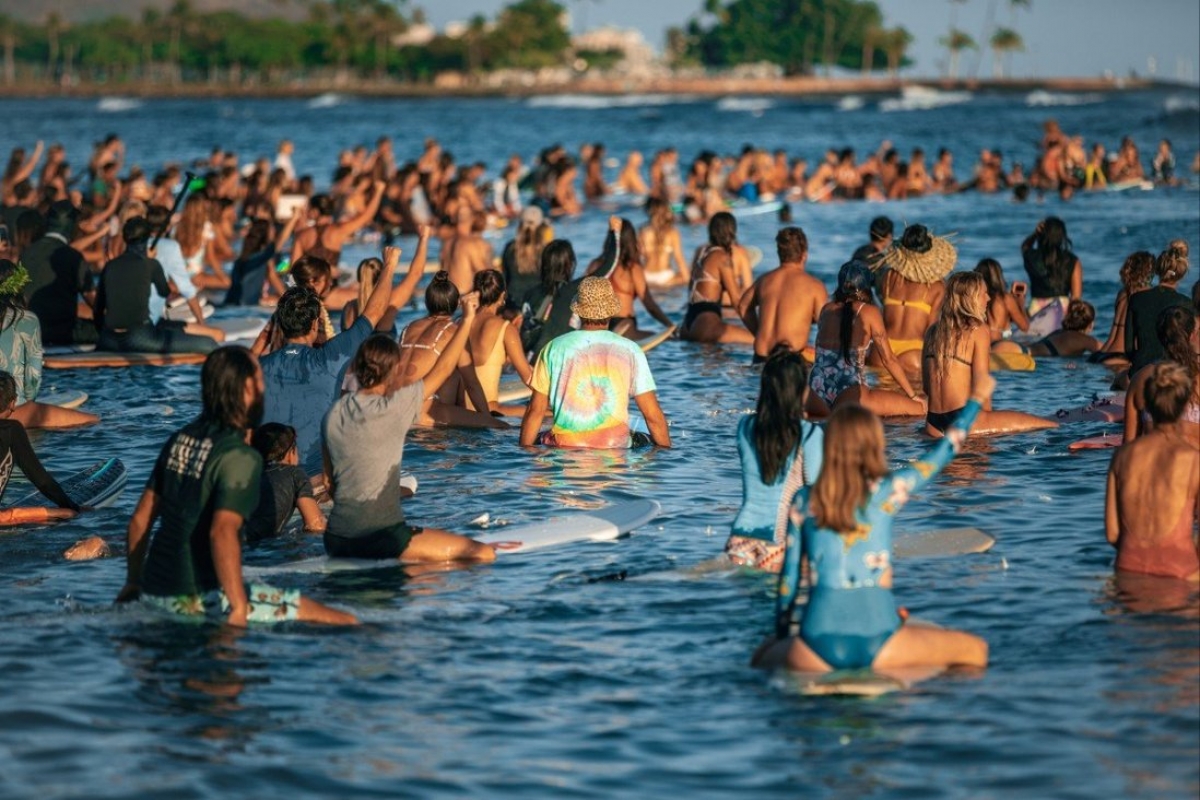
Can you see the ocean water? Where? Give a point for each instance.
(539, 677)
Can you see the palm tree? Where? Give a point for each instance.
(384, 23)
(55, 25)
(147, 32)
(895, 42)
(8, 35)
(956, 41)
(1003, 42)
(872, 36)
(179, 19)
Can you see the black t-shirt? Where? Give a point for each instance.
(123, 301)
(202, 469)
(57, 275)
(16, 449)
(1142, 345)
(281, 486)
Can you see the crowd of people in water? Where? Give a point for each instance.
(317, 408)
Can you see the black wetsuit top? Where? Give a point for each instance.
(1142, 345)
(57, 276)
(16, 449)
(123, 301)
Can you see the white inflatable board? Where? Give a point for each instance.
(67, 349)
(183, 312)
(604, 524)
(69, 399)
(948, 542)
(236, 328)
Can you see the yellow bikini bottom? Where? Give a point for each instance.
(901, 346)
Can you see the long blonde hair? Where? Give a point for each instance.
(369, 270)
(190, 230)
(854, 459)
(527, 247)
(961, 313)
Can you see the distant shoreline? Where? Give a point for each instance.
(599, 87)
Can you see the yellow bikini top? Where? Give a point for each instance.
(921, 304)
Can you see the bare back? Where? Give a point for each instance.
(789, 301)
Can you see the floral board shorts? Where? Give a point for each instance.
(268, 604)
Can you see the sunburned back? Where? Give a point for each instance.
(1156, 480)
(908, 307)
(421, 343)
(789, 302)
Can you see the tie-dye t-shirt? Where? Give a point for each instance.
(589, 377)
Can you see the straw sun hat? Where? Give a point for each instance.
(596, 300)
(920, 256)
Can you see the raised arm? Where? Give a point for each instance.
(27, 168)
(404, 291)
(349, 227)
(448, 361)
(1077, 281)
(383, 295)
(612, 250)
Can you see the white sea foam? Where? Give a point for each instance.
(327, 100)
(113, 105)
(923, 98)
(590, 101)
(851, 102)
(1176, 103)
(752, 105)
(1042, 98)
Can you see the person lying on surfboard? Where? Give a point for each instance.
(840, 534)
(15, 449)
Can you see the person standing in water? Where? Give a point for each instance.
(1153, 496)
(782, 305)
(714, 276)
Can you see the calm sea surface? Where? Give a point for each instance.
(529, 678)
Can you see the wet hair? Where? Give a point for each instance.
(1171, 265)
(630, 248)
(441, 296)
(854, 286)
(258, 238)
(791, 244)
(309, 269)
(8, 390)
(558, 265)
(853, 459)
(29, 227)
(881, 228)
(11, 305)
(368, 272)
(375, 360)
(273, 441)
(722, 231)
(780, 409)
(1165, 393)
(222, 388)
(1136, 271)
(490, 285)
(957, 319)
(1055, 248)
(993, 277)
(1079, 316)
(1175, 327)
(136, 229)
(298, 309)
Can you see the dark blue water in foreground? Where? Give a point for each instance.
(528, 679)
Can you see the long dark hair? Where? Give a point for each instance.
(993, 278)
(853, 287)
(630, 249)
(375, 360)
(558, 265)
(1055, 248)
(780, 410)
(1174, 328)
(722, 231)
(222, 388)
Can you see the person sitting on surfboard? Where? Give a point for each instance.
(1153, 497)
(364, 437)
(303, 380)
(1074, 338)
(957, 359)
(780, 451)
(912, 290)
(203, 487)
(783, 305)
(629, 282)
(840, 532)
(586, 378)
(285, 487)
(15, 449)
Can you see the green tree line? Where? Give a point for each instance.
(355, 39)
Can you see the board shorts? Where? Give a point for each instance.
(267, 604)
(389, 542)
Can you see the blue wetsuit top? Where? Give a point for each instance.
(849, 616)
(763, 514)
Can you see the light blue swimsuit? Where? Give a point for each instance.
(849, 616)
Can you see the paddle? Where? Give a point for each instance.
(188, 179)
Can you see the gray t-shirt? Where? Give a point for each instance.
(364, 434)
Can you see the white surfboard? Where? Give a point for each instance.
(604, 524)
(239, 328)
(183, 312)
(72, 398)
(947, 542)
(67, 349)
